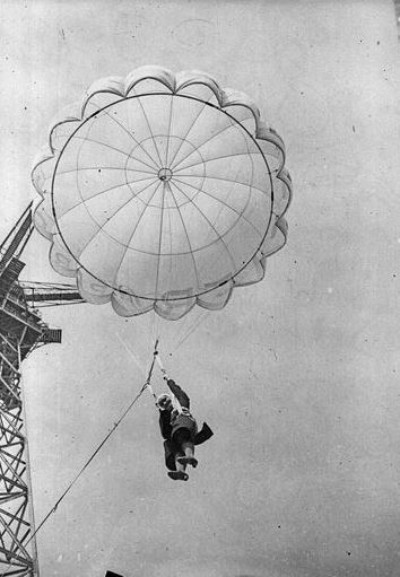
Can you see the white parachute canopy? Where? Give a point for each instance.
(162, 192)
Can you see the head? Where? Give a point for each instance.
(164, 402)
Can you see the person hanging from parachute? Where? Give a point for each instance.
(179, 429)
(162, 193)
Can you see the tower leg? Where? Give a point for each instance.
(17, 548)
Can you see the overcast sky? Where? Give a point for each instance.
(298, 376)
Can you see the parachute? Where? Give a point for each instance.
(162, 192)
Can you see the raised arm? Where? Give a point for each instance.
(179, 394)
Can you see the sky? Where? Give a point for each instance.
(298, 376)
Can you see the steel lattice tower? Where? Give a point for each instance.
(21, 331)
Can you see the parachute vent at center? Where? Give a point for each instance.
(163, 192)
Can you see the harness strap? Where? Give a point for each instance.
(156, 358)
(147, 384)
(175, 401)
(162, 369)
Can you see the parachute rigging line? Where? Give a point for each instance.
(191, 329)
(99, 447)
(134, 358)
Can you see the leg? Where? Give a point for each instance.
(183, 439)
(181, 467)
(179, 474)
(188, 458)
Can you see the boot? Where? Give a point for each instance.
(178, 475)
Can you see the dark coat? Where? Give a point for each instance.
(172, 421)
